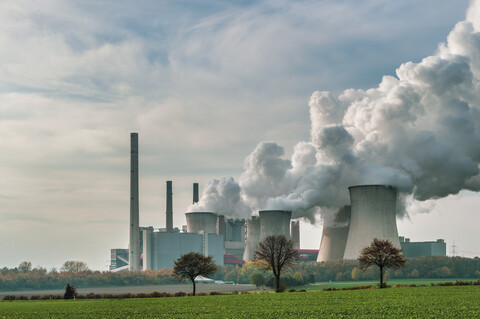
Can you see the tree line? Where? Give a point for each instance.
(26, 277)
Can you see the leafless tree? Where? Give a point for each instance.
(192, 265)
(74, 266)
(383, 254)
(25, 266)
(278, 253)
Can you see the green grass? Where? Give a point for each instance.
(392, 282)
(420, 302)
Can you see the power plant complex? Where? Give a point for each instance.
(371, 214)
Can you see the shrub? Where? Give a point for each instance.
(180, 294)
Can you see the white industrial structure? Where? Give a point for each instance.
(201, 222)
(334, 236)
(206, 232)
(134, 247)
(253, 238)
(274, 222)
(373, 215)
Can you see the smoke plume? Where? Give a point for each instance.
(418, 131)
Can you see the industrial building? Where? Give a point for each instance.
(424, 248)
(233, 241)
(371, 214)
(151, 248)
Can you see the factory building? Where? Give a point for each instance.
(235, 237)
(119, 258)
(425, 248)
(151, 248)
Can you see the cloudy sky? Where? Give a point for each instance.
(203, 85)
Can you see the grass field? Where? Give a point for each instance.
(392, 282)
(419, 302)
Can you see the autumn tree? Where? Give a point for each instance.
(192, 265)
(74, 266)
(383, 254)
(278, 253)
(25, 266)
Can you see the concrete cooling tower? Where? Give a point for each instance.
(274, 222)
(253, 238)
(334, 236)
(201, 221)
(372, 216)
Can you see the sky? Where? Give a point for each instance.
(203, 84)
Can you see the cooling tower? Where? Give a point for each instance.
(274, 222)
(334, 236)
(134, 245)
(195, 193)
(372, 216)
(169, 212)
(198, 222)
(253, 238)
(295, 232)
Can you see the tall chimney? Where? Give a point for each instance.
(134, 247)
(195, 193)
(169, 212)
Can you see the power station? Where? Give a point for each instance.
(371, 214)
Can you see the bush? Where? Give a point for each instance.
(7, 297)
(215, 293)
(282, 287)
(180, 294)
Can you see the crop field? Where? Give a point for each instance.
(392, 282)
(419, 302)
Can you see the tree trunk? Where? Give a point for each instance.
(381, 277)
(193, 281)
(277, 283)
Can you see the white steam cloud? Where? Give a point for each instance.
(418, 131)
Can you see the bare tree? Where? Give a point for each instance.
(278, 253)
(25, 266)
(383, 254)
(192, 265)
(74, 266)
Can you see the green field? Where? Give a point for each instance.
(392, 282)
(419, 302)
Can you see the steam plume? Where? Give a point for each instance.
(418, 131)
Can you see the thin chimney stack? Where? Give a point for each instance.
(169, 212)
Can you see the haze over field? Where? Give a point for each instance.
(259, 93)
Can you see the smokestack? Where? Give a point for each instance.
(134, 246)
(195, 193)
(169, 212)
(372, 216)
(334, 236)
